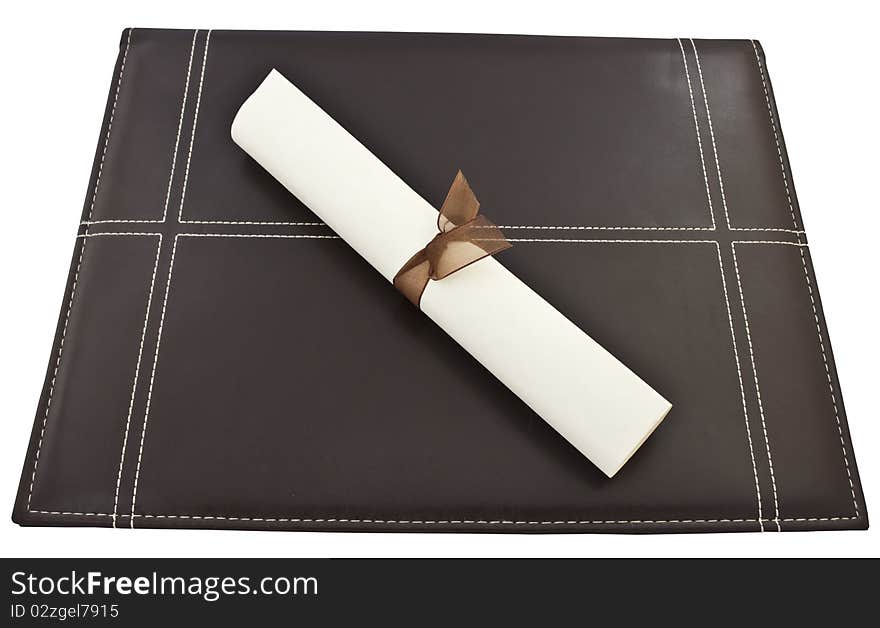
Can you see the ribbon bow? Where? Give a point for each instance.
(465, 237)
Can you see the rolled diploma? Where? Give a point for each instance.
(584, 392)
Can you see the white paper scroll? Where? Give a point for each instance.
(585, 393)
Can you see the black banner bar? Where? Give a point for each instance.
(134, 592)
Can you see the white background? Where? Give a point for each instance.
(57, 63)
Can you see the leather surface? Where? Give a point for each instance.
(216, 365)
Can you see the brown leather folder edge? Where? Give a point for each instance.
(222, 361)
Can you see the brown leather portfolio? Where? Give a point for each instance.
(217, 366)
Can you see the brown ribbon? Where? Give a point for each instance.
(464, 238)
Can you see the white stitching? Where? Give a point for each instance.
(437, 521)
(721, 263)
(119, 220)
(775, 229)
(596, 241)
(173, 157)
(55, 372)
(294, 236)
(852, 489)
(782, 169)
(711, 131)
(302, 236)
(697, 127)
(775, 135)
(152, 378)
(742, 390)
(548, 227)
(192, 51)
(799, 519)
(801, 248)
(76, 272)
(110, 123)
(757, 387)
(739, 285)
(604, 228)
(798, 244)
(554, 227)
(254, 222)
(137, 371)
(192, 138)
(118, 233)
(61, 350)
(70, 513)
(529, 227)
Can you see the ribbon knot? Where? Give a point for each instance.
(464, 237)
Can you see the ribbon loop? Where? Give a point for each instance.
(464, 238)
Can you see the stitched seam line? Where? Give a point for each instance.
(775, 135)
(119, 233)
(739, 285)
(757, 387)
(152, 379)
(809, 284)
(55, 371)
(58, 358)
(439, 521)
(192, 51)
(192, 138)
(76, 272)
(110, 124)
(533, 227)
(137, 371)
(697, 128)
(742, 390)
(711, 132)
(721, 268)
(798, 244)
(609, 228)
(852, 489)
